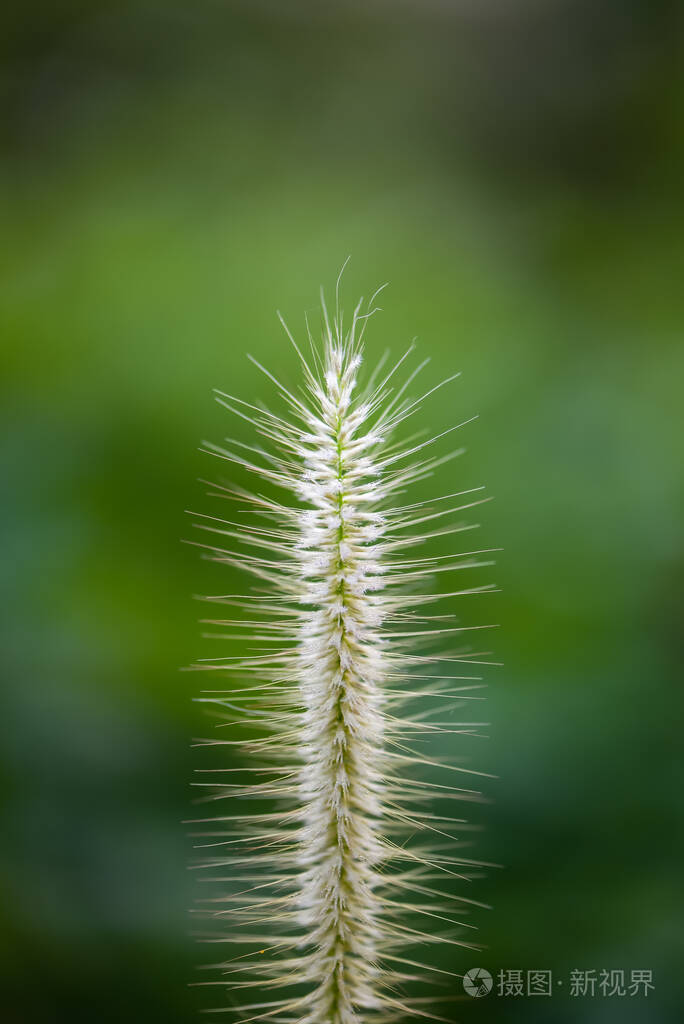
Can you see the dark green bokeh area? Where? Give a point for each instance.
(172, 174)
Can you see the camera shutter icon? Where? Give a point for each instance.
(477, 982)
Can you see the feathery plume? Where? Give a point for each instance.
(328, 887)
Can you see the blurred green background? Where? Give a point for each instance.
(172, 173)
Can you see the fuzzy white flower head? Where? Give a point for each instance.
(327, 887)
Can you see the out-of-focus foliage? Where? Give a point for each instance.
(173, 173)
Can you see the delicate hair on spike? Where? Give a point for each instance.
(338, 859)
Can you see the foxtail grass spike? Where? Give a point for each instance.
(336, 865)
